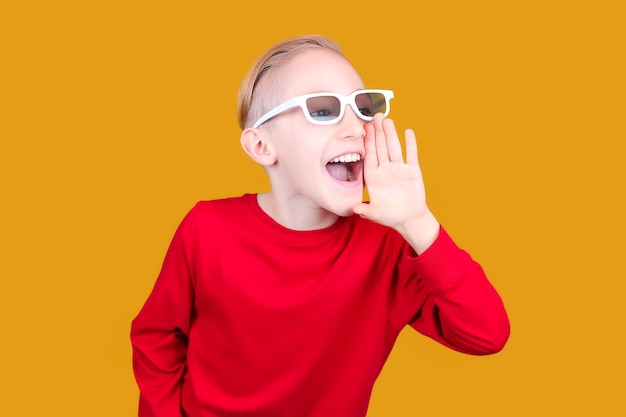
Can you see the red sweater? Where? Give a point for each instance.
(248, 318)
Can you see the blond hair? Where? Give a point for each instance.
(255, 98)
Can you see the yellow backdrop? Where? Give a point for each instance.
(117, 116)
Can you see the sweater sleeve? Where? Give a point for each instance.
(456, 304)
(159, 333)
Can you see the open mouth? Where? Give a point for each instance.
(346, 168)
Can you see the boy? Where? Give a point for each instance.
(287, 303)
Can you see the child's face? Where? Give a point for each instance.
(305, 172)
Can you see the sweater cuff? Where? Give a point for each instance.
(440, 266)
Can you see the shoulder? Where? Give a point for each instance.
(221, 206)
(217, 213)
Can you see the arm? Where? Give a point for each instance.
(456, 304)
(459, 307)
(159, 333)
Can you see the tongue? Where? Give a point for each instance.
(339, 171)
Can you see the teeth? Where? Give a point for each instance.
(351, 157)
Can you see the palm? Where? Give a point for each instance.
(395, 187)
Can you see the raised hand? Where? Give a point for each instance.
(396, 187)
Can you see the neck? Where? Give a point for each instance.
(295, 214)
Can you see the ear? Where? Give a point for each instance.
(257, 145)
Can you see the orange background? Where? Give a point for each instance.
(117, 116)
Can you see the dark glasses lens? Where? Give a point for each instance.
(323, 108)
(371, 103)
(328, 108)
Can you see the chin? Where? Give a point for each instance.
(344, 213)
(344, 207)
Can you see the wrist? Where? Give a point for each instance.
(421, 232)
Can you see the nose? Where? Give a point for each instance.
(352, 125)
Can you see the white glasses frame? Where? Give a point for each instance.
(350, 99)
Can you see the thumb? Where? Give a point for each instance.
(368, 211)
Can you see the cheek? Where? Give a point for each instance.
(301, 147)
(307, 149)
(305, 161)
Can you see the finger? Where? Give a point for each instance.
(411, 147)
(371, 159)
(393, 142)
(381, 140)
(368, 211)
